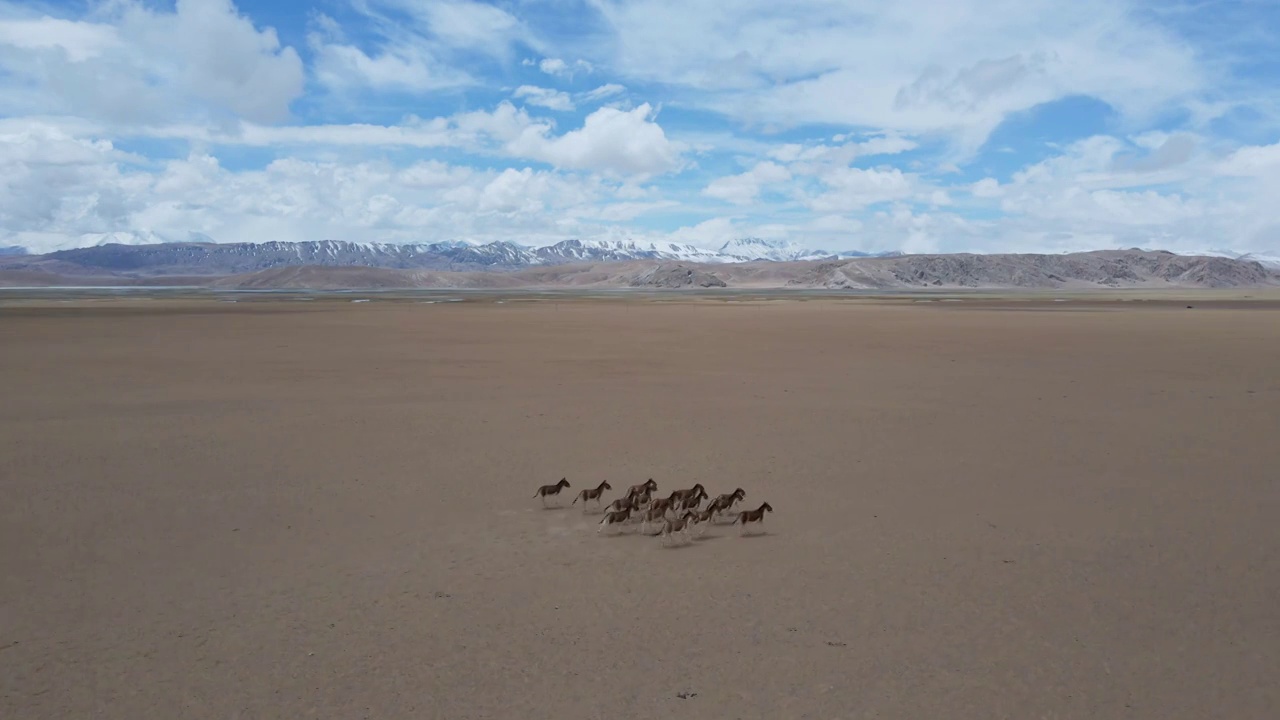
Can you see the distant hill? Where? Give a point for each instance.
(749, 262)
(1100, 269)
(208, 258)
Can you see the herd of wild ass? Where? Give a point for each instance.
(674, 515)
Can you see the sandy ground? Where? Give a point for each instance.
(292, 510)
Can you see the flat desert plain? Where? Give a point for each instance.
(998, 509)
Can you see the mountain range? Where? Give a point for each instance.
(208, 258)
(1108, 269)
(746, 263)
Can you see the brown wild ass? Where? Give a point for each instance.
(724, 503)
(591, 494)
(752, 516)
(615, 517)
(546, 490)
(678, 525)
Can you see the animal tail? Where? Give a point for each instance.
(736, 518)
(575, 499)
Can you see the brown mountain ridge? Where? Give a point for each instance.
(1082, 270)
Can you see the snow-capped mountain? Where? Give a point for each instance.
(106, 256)
(608, 250)
(229, 258)
(47, 243)
(1268, 259)
(850, 254)
(754, 248)
(209, 258)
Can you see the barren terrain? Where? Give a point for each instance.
(267, 266)
(999, 508)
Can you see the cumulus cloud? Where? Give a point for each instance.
(559, 67)
(745, 187)
(544, 97)
(133, 63)
(612, 141)
(618, 143)
(911, 66)
(847, 126)
(78, 41)
(986, 188)
(461, 23)
(58, 191)
(553, 66)
(345, 67)
(852, 188)
(59, 188)
(428, 52)
(406, 66)
(1255, 161)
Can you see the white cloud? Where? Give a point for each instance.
(854, 188)
(1159, 190)
(424, 54)
(622, 211)
(345, 67)
(604, 91)
(890, 144)
(79, 41)
(815, 159)
(616, 142)
(57, 190)
(744, 188)
(986, 188)
(60, 188)
(467, 24)
(559, 67)
(513, 191)
(851, 86)
(553, 66)
(711, 233)
(204, 59)
(544, 97)
(819, 158)
(912, 66)
(341, 66)
(844, 188)
(1255, 161)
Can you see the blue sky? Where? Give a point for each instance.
(971, 125)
